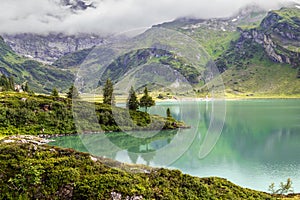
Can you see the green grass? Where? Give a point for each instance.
(43, 172)
(40, 114)
(263, 80)
(72, 60)
(215, 43)
(40, 77)
(288, 13)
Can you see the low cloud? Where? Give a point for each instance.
(111, 15)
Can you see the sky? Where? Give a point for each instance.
(44, 16)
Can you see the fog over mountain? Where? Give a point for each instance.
(105, 16)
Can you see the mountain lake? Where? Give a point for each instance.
(252, 143)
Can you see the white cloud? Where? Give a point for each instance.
(45, 16)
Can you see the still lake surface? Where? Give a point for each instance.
(253, 143)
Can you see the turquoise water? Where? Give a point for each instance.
(251, 143)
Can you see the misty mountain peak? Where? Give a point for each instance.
(78, 4)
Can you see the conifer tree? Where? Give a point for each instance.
(11, 83)
(169, 116)
(54, 93)
(108, 97)
(132, 102)
(73, 93)
(146, 101)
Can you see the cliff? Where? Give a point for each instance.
(48, 48)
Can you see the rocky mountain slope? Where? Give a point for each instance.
(48, 48)
(256, 51)
(278, 35)
(265, 59)
(216, 34)
(40, 77)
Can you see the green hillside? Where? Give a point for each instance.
(31, 171)
(124, 64)
(40, 77)
(22, 113)
(253, 66)
(72, 60)
(257, 54)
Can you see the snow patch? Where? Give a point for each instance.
(29, 56)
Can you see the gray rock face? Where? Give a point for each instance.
(48, 48)
(275, 35)
(267, 43)
(280, 27)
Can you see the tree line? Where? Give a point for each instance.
(133, 103)
(71, 94)
(8, 84)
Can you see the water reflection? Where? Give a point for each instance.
(259, 143)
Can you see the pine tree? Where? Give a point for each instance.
(132, 102)
(11, 83)
(54, 93)
(25, 87)
(169, 116)
(4, 83)
(73, 93)
(108, 97)
(146, 101)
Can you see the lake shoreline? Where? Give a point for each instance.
(46, 136)
(35, 144)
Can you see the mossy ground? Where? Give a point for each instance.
(30, 171)
(22, 113)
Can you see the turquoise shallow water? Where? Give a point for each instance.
(253, 143)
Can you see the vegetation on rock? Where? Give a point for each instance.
(31, 171)
(41, 78)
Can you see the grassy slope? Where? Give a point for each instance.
(215, 42)
(262, 81)
(41, 78)
(288, 13)
(253, 73)
(48, 115)
(31, 171)
(249, 70)
(240, 78)
(72, 60)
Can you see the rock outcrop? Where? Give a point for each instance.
(279, 37)
(48, 48)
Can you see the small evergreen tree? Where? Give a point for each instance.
(4, 83)
(146, 101)
(54, 93)
(73, 93)
(132, 102)
(11, 83)
(108, 97)
(169, 113)
(25, 87)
